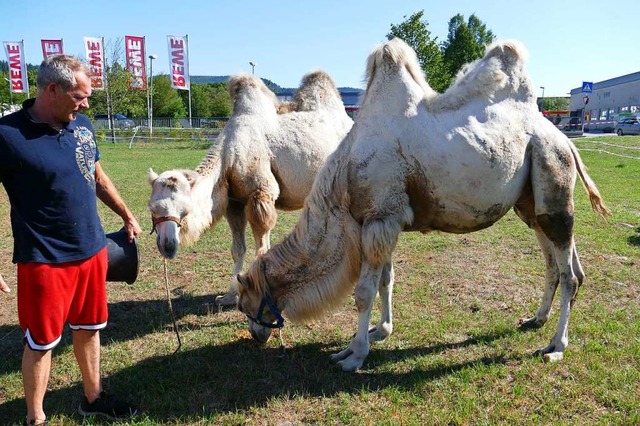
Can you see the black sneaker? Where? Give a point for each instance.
(107, 406)
(33, 423)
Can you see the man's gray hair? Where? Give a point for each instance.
(60, 70)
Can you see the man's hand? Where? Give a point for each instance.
(3, 286)
(133, 229)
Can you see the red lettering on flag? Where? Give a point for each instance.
(134, 51)
(179, 62)
(15, 68)
(95, 64)
(177, 66)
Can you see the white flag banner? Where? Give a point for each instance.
(134, 53)
(17, 66)
(94, 52)
(51, 48)
(179, 62)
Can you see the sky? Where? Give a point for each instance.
(568, 41)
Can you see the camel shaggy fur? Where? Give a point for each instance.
(266, 158)
(416, 160)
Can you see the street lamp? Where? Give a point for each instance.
(10, 93)
(253, 67)
(150, 94)
(542, 103)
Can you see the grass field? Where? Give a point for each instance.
(456, 355)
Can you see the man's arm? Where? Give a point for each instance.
(108, 194)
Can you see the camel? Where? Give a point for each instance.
(417, 160)
(265, 159)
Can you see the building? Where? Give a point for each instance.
(609, 101)
(350, 97)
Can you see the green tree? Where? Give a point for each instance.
(132, 103)
(414, 31)
(166, 100)
(553, 103)
(200, 102)
(221, 105)
(7, 97)
(208, 100)
(466, 42)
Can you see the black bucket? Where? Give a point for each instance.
(123, 257)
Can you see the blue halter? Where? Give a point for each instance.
(266, 301)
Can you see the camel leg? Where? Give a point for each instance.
(262, 239)
(384, 328)
(553, 180)
(262, 215)
(352, 358)
(379, 238)
(577, 269)
(237, 222)
(552, 278)
(571, 277)
(569, 283)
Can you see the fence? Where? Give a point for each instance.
(163, 122)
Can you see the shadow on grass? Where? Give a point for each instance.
(634, 240)
(127, 320)
(238, 376)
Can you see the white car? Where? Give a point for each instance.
(628, 126)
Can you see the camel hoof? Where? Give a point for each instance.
(227, 300)
(530, 323)
(378, 334)
(553, 357)
(341, 355)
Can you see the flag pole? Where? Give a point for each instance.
(26, 71)
(189, 74)
(106, 89)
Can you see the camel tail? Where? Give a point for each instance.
(597, 202)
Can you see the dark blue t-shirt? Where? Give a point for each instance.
(49, 176)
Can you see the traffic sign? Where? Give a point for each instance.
(587, 86)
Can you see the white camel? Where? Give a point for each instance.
(416, 160)
(266, 158)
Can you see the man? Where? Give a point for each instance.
(49, 166)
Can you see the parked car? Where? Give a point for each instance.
(120, 121)
(628, 126)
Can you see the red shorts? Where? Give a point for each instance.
(51, 294)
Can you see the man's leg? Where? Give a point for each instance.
(36, 367)
(86, 347)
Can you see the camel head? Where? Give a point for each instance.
(170, 204)
(257, 304)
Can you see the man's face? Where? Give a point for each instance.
(68, 104)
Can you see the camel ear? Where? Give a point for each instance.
(152, 175)
(243, 280)
(192, 177)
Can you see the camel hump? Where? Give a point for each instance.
(509, 52)
(398, 53)
(317, 78)
(317, 90)
(240, 81)
(395, 52)
(499, 74)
